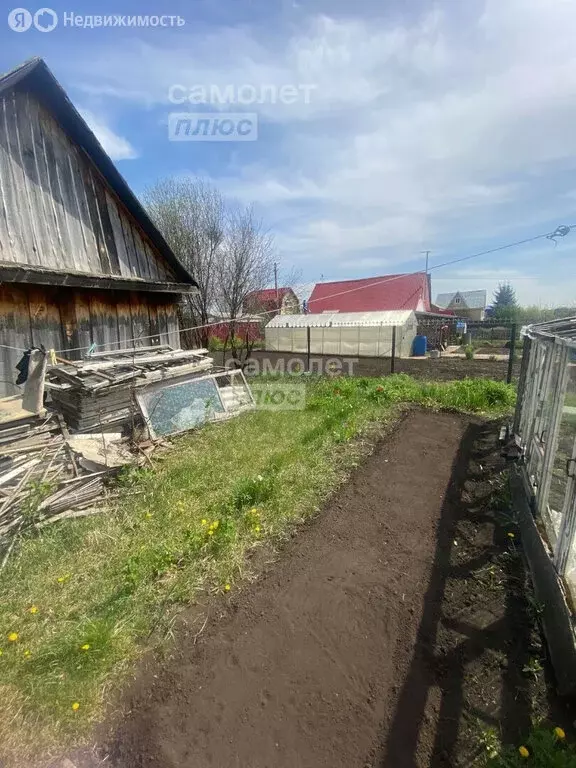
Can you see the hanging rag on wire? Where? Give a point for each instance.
(32, 370)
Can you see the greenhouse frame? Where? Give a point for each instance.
(352, 334)
(545, 430)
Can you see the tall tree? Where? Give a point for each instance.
(505, 305)
(226, 249)
(247, 265)
(191, 215)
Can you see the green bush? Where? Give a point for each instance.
(469, 352)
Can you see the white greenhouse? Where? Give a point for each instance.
(349, 334)
(545, 427)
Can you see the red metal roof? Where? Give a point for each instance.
(372, 294)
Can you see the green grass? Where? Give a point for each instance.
(115, 581)
(544, 748)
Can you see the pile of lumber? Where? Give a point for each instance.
(97, 394)
(41, 476)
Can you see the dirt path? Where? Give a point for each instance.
(306, 667)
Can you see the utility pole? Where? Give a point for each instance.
(276, 282)
(427, 255)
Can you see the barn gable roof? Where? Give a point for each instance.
(35, 76)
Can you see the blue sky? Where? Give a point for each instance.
(446, 126)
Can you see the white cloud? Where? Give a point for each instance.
(435, 131)
(117, 147)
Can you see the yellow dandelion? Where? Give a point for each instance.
(85, 647)
(257, 529)
(204, 521)
(27, 653)
(12, 637)
(523, 751)
(76, 706)
(33, 609)
(511, 535)
(1, 651)
(254, 511)
(62, 579)
(227, 587)
(215, 524)
(210, 532)
(559, 733)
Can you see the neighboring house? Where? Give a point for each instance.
(272, 301)
(373, 294)
(80, 260)
(469, 304)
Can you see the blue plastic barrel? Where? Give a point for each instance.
(419, 349)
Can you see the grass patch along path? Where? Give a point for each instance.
(81, 602)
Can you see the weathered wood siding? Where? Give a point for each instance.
(65, 318)
(56, 211)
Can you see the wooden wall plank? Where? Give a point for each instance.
(173, 326)
(73, 216)
(45, 321)
(103, 257)
(99, 197)
(56, 160)
(140, 319)
(152, 262)
(154, 324)
(129, 243)
(162, 319)
(33, 198)
(76, 323)
(124, 261)
(10, 246)
(84, 221)
(47, 175)
(124, 319)
(143, 259)
(15, 186)
(14, 332)
(50, 241)
(104, 320)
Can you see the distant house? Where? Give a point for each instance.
(272, 301)
(373, 294)
(81, 263)
(469, 304)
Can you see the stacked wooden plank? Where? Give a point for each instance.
(46, 474)
(98, 394)
(39, 476)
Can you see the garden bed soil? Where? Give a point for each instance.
(393, 631)
(445, 368)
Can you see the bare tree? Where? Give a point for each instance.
(247, 265)
(190, 213)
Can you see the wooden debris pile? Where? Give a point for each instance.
(47, 474)
(40, 475)
(98, 394)
(55, 463)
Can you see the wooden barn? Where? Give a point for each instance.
(80, 260)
